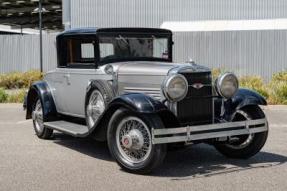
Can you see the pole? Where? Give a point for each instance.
(40, 28)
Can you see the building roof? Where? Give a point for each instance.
(21, 14)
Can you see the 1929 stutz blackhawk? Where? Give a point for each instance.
(120, 85)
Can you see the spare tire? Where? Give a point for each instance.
(99, 95)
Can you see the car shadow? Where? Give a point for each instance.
(204, 161)
(85, 146)
(195, 161)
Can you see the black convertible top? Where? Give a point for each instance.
(94, 31)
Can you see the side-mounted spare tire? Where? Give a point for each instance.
(99, 95)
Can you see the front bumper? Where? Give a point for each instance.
(201, 132)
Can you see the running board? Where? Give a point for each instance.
(73, 129)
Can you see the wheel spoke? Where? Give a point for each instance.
(138, 130)
(38, 117)
(95, 107)
(242, 141)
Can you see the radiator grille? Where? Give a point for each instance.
(197, 106)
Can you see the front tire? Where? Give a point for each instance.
(247, 145)
(129, 141)
(38, 121)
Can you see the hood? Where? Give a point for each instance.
(156, 68)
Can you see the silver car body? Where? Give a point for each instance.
(68, 85)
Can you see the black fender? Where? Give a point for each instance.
(139, 103)
(243, 97)
(41, 89)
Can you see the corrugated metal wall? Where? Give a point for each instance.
(151, 13)
(21, 52)
(244, 52)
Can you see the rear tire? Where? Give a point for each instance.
(255, 144)
(38, 121)
(129, 141)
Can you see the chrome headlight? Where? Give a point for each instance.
(175, 87)
(227, 85)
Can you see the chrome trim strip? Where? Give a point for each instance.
(190, 85)
(71, 114)
(183, 134)
(153, 92)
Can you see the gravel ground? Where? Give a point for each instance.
(66, 163)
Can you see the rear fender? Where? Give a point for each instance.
(41, 90)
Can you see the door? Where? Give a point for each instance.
(57, 82)
(80, 71)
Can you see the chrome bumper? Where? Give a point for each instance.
(200, 132)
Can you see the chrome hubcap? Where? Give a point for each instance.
(95, 108)
(38, 117)
(133, 140)
(242, 141)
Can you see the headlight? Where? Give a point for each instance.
(175, 87)
(227, 85)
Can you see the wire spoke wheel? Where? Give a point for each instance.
(133, 140)
(95, 108)
(241, 141)
(130, 141)
(38, 117)
(244, 146)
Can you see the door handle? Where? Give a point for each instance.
(67, 77)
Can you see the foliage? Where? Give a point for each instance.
(15, 80)
(215, 73)
(278, 88)
(275, 91)
(3, 96)
(281, 76)
(17, 97)
(255, 83)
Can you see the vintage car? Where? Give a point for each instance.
(121, 85)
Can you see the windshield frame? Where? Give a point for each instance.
(136, 35)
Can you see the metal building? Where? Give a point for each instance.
(247, 37)
(244, 36)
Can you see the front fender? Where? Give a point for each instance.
(41, 90)
(139, 103)
(243, 98)
(246, 97)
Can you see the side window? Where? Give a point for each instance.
(87, 50)
(160, 48)
(80, 53)
(106, 49)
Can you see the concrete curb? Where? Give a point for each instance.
(275, 107)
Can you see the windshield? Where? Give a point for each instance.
(144, 47)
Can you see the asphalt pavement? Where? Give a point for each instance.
(67, 163)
